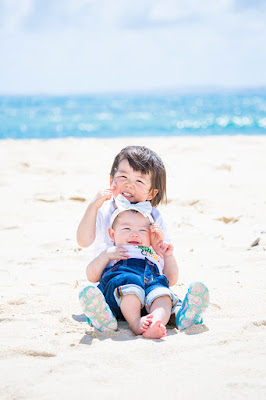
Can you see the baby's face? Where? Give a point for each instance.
(131, 228)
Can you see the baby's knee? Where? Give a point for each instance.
(162, 294)
(129, 289)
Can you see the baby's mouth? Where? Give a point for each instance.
(134, 242)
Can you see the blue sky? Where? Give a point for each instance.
(83, 46)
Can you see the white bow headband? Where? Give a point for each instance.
(123, 204)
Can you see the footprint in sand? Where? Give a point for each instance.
(16, 302)
(5, 228)
(259, 323)
(25, 164)
(6, 320)
(215, 306)
(227, 220)
(81, 199)
(256, 326)
(34, 353)
(51, 312)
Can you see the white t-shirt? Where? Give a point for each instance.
(141, 252)
(102, 238)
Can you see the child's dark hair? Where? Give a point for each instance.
(142, 159)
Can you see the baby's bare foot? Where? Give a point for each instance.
(140, 325)
(156, 330)
(145, 322)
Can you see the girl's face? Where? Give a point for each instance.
(131, 228)
(133, 185)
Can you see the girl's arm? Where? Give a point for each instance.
(157, 236)
(170, 266)
(87, 226)
(98, 264)
(158, 231)
(171, 270)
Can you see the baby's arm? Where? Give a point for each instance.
(87, 226)
(96, 266)
(170, 266)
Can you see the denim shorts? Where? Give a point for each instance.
(134, 276)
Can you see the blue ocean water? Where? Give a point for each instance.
(103, 116)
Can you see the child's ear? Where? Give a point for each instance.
(152, 194)
(111, 234)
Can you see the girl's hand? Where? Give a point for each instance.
(102, 196)
(117, 253)
(166, 249)
(156, 238)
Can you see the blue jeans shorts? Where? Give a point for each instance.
(134, 276)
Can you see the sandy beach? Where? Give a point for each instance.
(216, 217)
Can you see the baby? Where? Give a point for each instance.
(131, 273)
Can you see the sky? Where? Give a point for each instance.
(88, 46)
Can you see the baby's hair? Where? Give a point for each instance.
(142, 159)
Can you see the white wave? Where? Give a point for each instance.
(262, 122)
(242, 121)
(222, 121)
(194, 124)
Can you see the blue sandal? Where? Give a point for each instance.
(96, 309)
(195, 303)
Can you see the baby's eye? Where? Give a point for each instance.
(126, 229)
(140, 181)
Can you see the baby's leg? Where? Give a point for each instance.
(161, 311)
(131, 309)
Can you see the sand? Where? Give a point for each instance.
(216, 210)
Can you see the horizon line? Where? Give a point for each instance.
(197, 89)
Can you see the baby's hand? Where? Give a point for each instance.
(102, 196)
(117, 253)
(166, 249)
(156, 238)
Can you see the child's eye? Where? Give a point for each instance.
(140, 181)
(126, 229)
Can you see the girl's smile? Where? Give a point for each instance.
(133, 185)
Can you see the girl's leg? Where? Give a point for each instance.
(195, 303)
(160, 311)
(131, 309)
(96, 309)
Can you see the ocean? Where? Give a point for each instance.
(127, 115)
